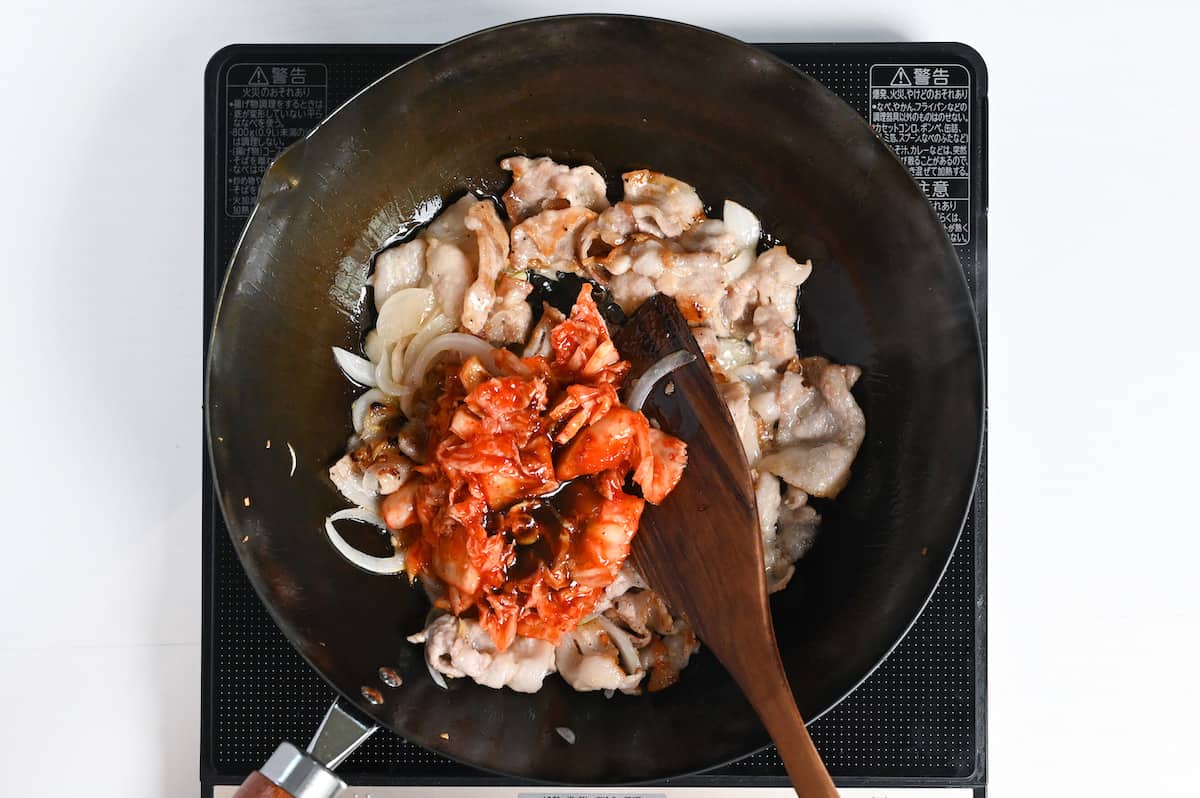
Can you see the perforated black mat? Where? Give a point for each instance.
(918, 720)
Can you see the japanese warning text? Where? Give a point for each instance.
(923, 112)
(267, 107)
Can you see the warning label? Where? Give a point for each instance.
(923, 112)
(267, 107)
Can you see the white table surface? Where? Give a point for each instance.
(1094, 551)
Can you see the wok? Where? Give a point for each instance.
(886, 294)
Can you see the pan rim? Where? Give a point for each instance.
(977, 364)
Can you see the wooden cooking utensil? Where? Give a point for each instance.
(702, 550)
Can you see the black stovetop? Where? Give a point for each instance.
(917, 720)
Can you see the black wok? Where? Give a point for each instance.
(886, 294)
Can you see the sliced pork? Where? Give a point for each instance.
(466, 277)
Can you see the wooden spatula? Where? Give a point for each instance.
(701, 548)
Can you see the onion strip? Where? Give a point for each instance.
(645, 383)
(385, 378)
(436, 675)
(421, 639)
(438, 325)
(463, 343)
(745, 227)
(402, 315)
(358, 369)
(358, 410)
(629, 655)
(367, 562)
(373, 346)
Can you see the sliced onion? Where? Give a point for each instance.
(383, 369)
(373, 346)
(440, 324)
(358, 410)
(385, 377)
(743, 224)
(645, 383)
(421, 638)
(463, 343)
(367, 562)
(436, 675)
(733, 353)
(356, 368)
(629, 655)
(397, 362)
(403, 314)
(740, 264)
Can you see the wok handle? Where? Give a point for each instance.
(291, 773)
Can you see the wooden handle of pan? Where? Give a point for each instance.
(257, 785)
(291, 773)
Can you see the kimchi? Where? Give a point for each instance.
(533, 483)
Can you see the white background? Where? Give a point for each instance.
(1094, 551)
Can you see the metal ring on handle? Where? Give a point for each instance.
(300, 775)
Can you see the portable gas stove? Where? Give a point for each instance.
(916, 727)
